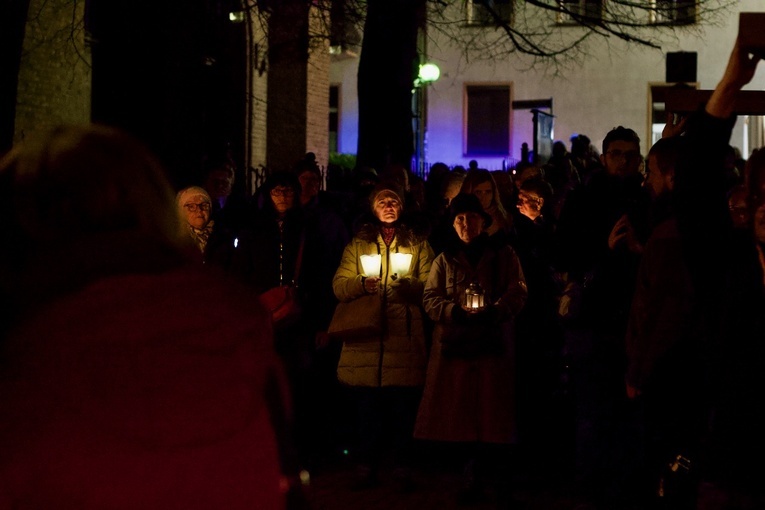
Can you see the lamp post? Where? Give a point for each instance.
(428, 73)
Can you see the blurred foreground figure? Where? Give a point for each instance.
(129, 377)
(727, 268)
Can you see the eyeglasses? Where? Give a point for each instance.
(627, 155)
(192, 207)
(282, 192)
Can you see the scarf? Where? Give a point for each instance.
(201, 235)
(388, 233)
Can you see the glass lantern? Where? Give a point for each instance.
(473, 299)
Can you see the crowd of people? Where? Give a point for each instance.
(603, 311)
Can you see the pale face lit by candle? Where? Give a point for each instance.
(400, 263)
(371, 264)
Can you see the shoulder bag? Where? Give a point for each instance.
(360, 319)
(282, 301)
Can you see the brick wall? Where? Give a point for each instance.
(54, 77)
(290, 100)
(317, 101)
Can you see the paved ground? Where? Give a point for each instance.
(437, 487)
(329, 491)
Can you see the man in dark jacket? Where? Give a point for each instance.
(726, 267)
(600, 234)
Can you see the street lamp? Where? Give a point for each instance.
(428, 73)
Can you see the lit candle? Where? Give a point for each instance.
(371, 264)
(400, 263)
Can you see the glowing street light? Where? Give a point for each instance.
(427, 74)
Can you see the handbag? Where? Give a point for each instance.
(360, 319)
(283, 301)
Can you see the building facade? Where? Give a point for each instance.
(615, 84)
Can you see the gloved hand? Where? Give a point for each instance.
(402, 290)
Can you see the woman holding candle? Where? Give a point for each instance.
(475, 289)
(386, 372)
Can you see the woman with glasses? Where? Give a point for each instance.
(267, 251)
(276, 250)
(214, 244)
(194, 206)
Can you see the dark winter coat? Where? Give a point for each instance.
(472, 399)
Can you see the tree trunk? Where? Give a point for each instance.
(388, 67)
(13, 18)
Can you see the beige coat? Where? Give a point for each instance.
(398, 356)
(471, 400)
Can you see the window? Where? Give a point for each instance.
(570, 10)
(489, 12)
(334, 116)
(673, 12)
(487, 120)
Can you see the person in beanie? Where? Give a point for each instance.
(385, 373)
(469, 396)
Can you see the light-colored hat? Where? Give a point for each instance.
(386, 188)
(186, 194)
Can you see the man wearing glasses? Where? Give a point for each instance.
(601, 231)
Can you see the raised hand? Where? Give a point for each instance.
(739, 72)
(675, 125)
